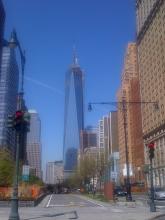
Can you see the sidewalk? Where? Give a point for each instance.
(130, 210)
(135, 202)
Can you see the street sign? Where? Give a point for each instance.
(25, 177)
(113, 175)
(25, 172)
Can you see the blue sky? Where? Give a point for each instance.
(48, 29)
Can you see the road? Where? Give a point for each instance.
(69, 206)
(63, 200)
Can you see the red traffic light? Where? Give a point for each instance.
(18, 114)
(151, 145)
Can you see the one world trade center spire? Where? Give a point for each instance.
(74, 115)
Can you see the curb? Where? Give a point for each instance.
(158, 216)
(134, 203)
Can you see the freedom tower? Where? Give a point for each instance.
(74, 116)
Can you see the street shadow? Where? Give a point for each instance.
(73, 213)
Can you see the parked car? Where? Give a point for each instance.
(159, 194)
(119, 191)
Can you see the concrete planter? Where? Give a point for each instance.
(24, 203)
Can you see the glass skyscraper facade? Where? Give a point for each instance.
(2, 21)
(34, 144)
(74, 116)
(9, 80)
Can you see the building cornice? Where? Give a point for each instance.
(155, 132)
(149, 19)
(138, 2)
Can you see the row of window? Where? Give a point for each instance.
(143, 12)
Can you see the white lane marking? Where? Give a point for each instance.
(117, 210)
(49, 201)
(95, 203)
(65, 205)
(62, 205)
(84, 198)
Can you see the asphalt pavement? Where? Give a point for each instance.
(70, 200)
(68, 206)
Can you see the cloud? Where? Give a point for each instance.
(39, 83)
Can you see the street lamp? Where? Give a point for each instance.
(123, 106)
(13, 43)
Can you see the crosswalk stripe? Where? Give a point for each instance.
(48, 204)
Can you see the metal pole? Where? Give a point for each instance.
(152, 203)
(14, 215)
(128, 185)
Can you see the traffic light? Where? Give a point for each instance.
(26, 119)
(18, 120)
(89, 107)
(151, 147)
(10, 121)
(151, 153)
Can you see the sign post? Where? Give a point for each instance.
(25, 172)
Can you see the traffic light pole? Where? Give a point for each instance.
(14, 215)
(152, 203)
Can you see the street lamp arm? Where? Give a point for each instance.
(123, 103)
(22, 55)
(13, 43)
(23, 61)
(126, 102)
(103, 103)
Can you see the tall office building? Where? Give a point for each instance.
(103, 124)
(88, 138)
(33, 147)
(54, 172)
(151, 58)
(108, 133)
(2, 21)
(9, 79)
(108, 143)
(74, 116)
(130, 92)
(113, 132)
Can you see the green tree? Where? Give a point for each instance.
(75, 180)
(6, 168)
(35, 180)
(93, 166)
(102, 162)
(90, 167)
(87, 169)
